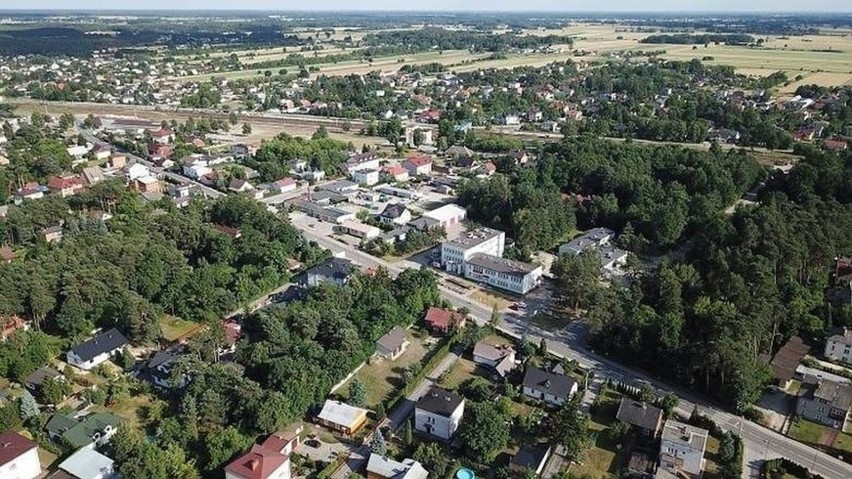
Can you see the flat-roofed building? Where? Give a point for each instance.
(456, 252)
(508, 274)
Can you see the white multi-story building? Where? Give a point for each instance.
(682, 450)
(18, 457)
(839, 347)
(366, 177)
(456, 252)
(515, 276)
(439, 413)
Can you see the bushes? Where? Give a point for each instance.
(779, 467)
(730, 457)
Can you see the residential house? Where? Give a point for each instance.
(342, 417)
(500, 359)
(508, 274)
(836, 145)
(521, 157)
(87, 463)
(415, 137)
(159, 368)
(595, 237)
(37, 379)
(366, 177)
(18, 457)
(240, 186)
(7, 255)
(784, 362)
(532, 458)
(511, 119)
(418, 165)
(91, 431)
(159, 153)
(838, 347)
(554, 389)
(284, 185)
(146, 184)
(65, 186)
(382, 467)
(52, 234)
(117, 161)
(644, 417)
(455, 253)
(457, 152)
(11, 325)
(393, 344)
(395, 172)
(163, 136)
(395, 214)
(488, 168)
(29, 192)
(97, 350)
(443, 321)
(101, 152)
(137, 170)
(681, 451)
(824, 401)
(233, 333)
(341, 187)
(333, 270)
(259, 463)
(439, 413)
(92, 175)
(362, 161)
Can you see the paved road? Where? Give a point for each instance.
(758, 441)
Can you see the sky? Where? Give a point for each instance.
(447, 5)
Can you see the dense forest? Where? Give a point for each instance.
(444, 39)
(656, 195)
(747, 282)
(700, 38)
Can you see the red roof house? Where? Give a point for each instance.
(65, 186)
(19, 455)
(7, 255)
(259, 463)
(443, 320)
(836, 145)
(12, 324)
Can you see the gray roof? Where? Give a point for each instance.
(640, 414)
(440, 401)
(88, 464)
(547, 382)
(102, 343)
(836, 394)
(470, 239)
(843, 337)
(393, 210)
(333, 268)
(588, 239)
(502, 265)
(42, 374)
(388, 468)
(491, 352)
(162, 358)
(690, 436)
(392, 340)
(339, 186)
(531, 456)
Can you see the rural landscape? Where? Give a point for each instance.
(410, 244)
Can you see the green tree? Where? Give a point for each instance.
(357, 393)
(66, 121)
(246, 129)
(378, 444)
(233, 119)
(54, 390)
(485, 430)
(29, 407)
(223, 446)
(570, 429)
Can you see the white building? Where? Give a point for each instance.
(839, 347)
(447, 216)
(366, 177)
(18, 457)
(358, 229)
(439, 413)
(97, 350)
(137, 170)
(395, 214)
(88, 464)
(595, 237)
(456, 252)
(511, 275)
(682, 450)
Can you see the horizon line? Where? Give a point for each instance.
(431, 12)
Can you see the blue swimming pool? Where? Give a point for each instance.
(465, 473)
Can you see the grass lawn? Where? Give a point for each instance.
(46, 458)
(491, 298)
(383, 376)
(174, 327)
(463, 370)
(806, 431)
(549, 321)
(711, 454)
(843, 442)
(600, 461)
(131, 409)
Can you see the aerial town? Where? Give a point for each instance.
(318, 245)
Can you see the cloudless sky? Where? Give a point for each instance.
(446, 5)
